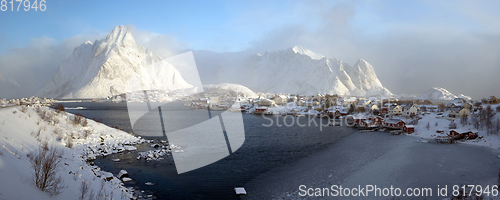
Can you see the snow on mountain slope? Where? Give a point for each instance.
(229, 87)
(438, 93)
(304, 51)
(298, 70)
(103, 68)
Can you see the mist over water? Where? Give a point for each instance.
(265, 148)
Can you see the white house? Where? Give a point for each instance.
(280, 100)
(364, 102)
(458, 112)
(311, 103)
(411, 110)
(371, 107)
(396, 110)
(456, 100)
(266, 102)
(292, 99)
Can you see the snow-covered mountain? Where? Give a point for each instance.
(438, 93)
(102, 69)
(298, 70)
(228, 88)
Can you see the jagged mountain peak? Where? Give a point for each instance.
(104, 68)
(120, 34)
(305, 51)
(289, 71)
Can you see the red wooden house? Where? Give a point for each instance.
(409, 128)
(260, 110)
(394, 123)
(384, 111)
(376, 120)
(459, 134)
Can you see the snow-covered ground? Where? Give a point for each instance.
(442, 122)
(22, 129)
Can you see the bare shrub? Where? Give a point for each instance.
(36, 134)
(486, 117)
(497, 126)
(69, 142)
(84, 122)
(464, 120)
(91, 194)
(452, 125)
(102, 192)
(98, 120)
(24, 109)
(38, 110)
(84, 190)
(58, 134)
(86, 133)
(78, 119)
(59, 108)
(475, 121)
(45, 163)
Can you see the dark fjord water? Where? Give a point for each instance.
(265, 148)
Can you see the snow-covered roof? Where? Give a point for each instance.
(457, 109)
(461, 130)
(429, 106)
(393, 106)
(408, 106)
(457, 100)
(368, 121)
(392, 121)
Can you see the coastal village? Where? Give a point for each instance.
(440, 121)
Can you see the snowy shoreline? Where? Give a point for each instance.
(437, 123)
(22, 129)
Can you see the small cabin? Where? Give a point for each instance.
(260, 110)
(394, 123)
(409, 128)
(460, 134)
(376, 120)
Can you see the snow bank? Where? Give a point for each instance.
(21, 133)
(438, 123)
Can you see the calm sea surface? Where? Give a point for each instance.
(265, 148)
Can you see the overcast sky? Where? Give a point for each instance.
(413, 45)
